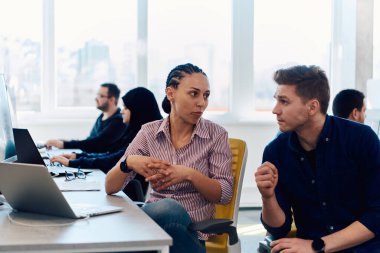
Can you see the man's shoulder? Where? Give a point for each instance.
(349, 126)
(117, 115)
(280, 139)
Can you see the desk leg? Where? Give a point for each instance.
(165, 249)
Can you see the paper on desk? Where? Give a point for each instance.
(78, 185)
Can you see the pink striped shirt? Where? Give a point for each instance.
(207, 152)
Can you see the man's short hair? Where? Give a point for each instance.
(113, 90)
(311, 83)
(346, 101)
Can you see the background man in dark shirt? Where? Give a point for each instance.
(108, 128)
(350, 104)
(322, 169)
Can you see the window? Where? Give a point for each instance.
(56, 53)
(288, 33)
(20, 51)
(376, 40)
(96, 42)
(195, 31)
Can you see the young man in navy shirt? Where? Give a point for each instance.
(323, 170)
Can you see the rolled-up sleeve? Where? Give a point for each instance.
(282, 231)
(220, 167)
(371, 164)
(139, 146)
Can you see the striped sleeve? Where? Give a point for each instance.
(220, 167)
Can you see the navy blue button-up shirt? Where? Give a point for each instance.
(344, 188)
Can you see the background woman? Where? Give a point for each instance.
(140, 107)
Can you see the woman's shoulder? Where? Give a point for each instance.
(152, 126)
(212, 128)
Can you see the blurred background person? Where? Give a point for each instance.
(108, 128)
(350, 104)
(140, 107)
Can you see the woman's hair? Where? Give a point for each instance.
(174, 78)
(144, 108)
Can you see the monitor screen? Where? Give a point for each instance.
(7, 143)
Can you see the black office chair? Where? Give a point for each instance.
(136, 189)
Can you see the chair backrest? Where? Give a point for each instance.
(230, 211)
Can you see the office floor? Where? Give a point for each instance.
(250, 229)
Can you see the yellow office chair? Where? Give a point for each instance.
(226, 216)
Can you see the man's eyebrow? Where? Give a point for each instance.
(280, 97)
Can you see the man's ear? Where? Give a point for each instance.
(354, 115)
(313, 106)
(113, 100)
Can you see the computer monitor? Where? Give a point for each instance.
(7, 143)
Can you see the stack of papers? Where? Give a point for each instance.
(79, 185)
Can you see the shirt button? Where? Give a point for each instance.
(323, 203)
(313, 181)
(327, 139)
(302, 158)
(331, 227)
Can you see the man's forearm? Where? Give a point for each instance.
(272, 213)
(353, 235)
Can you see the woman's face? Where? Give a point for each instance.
(126, 113)
(190, 99)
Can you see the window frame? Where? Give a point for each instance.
(242, 88)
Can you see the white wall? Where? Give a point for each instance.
(257, 135)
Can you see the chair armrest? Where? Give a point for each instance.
(217, 226)
(264, 246)
(139, 203)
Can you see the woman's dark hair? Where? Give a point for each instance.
(144, 108)
(310, 81)
(174, 78)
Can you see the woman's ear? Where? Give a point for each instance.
(169, 93)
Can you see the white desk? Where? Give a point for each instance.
(129, 230)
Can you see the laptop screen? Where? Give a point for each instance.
(7, 143)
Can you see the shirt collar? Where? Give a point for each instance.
(200, 129)
(324, 137)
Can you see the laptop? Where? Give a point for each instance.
(27, 152)
(30, 188)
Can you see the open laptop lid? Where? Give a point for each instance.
(30, 188)
(26, 149)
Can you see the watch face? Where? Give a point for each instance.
(124, 168)
(318, 245)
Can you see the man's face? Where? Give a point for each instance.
(362, 113)
(102, 99)
(291, 111)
